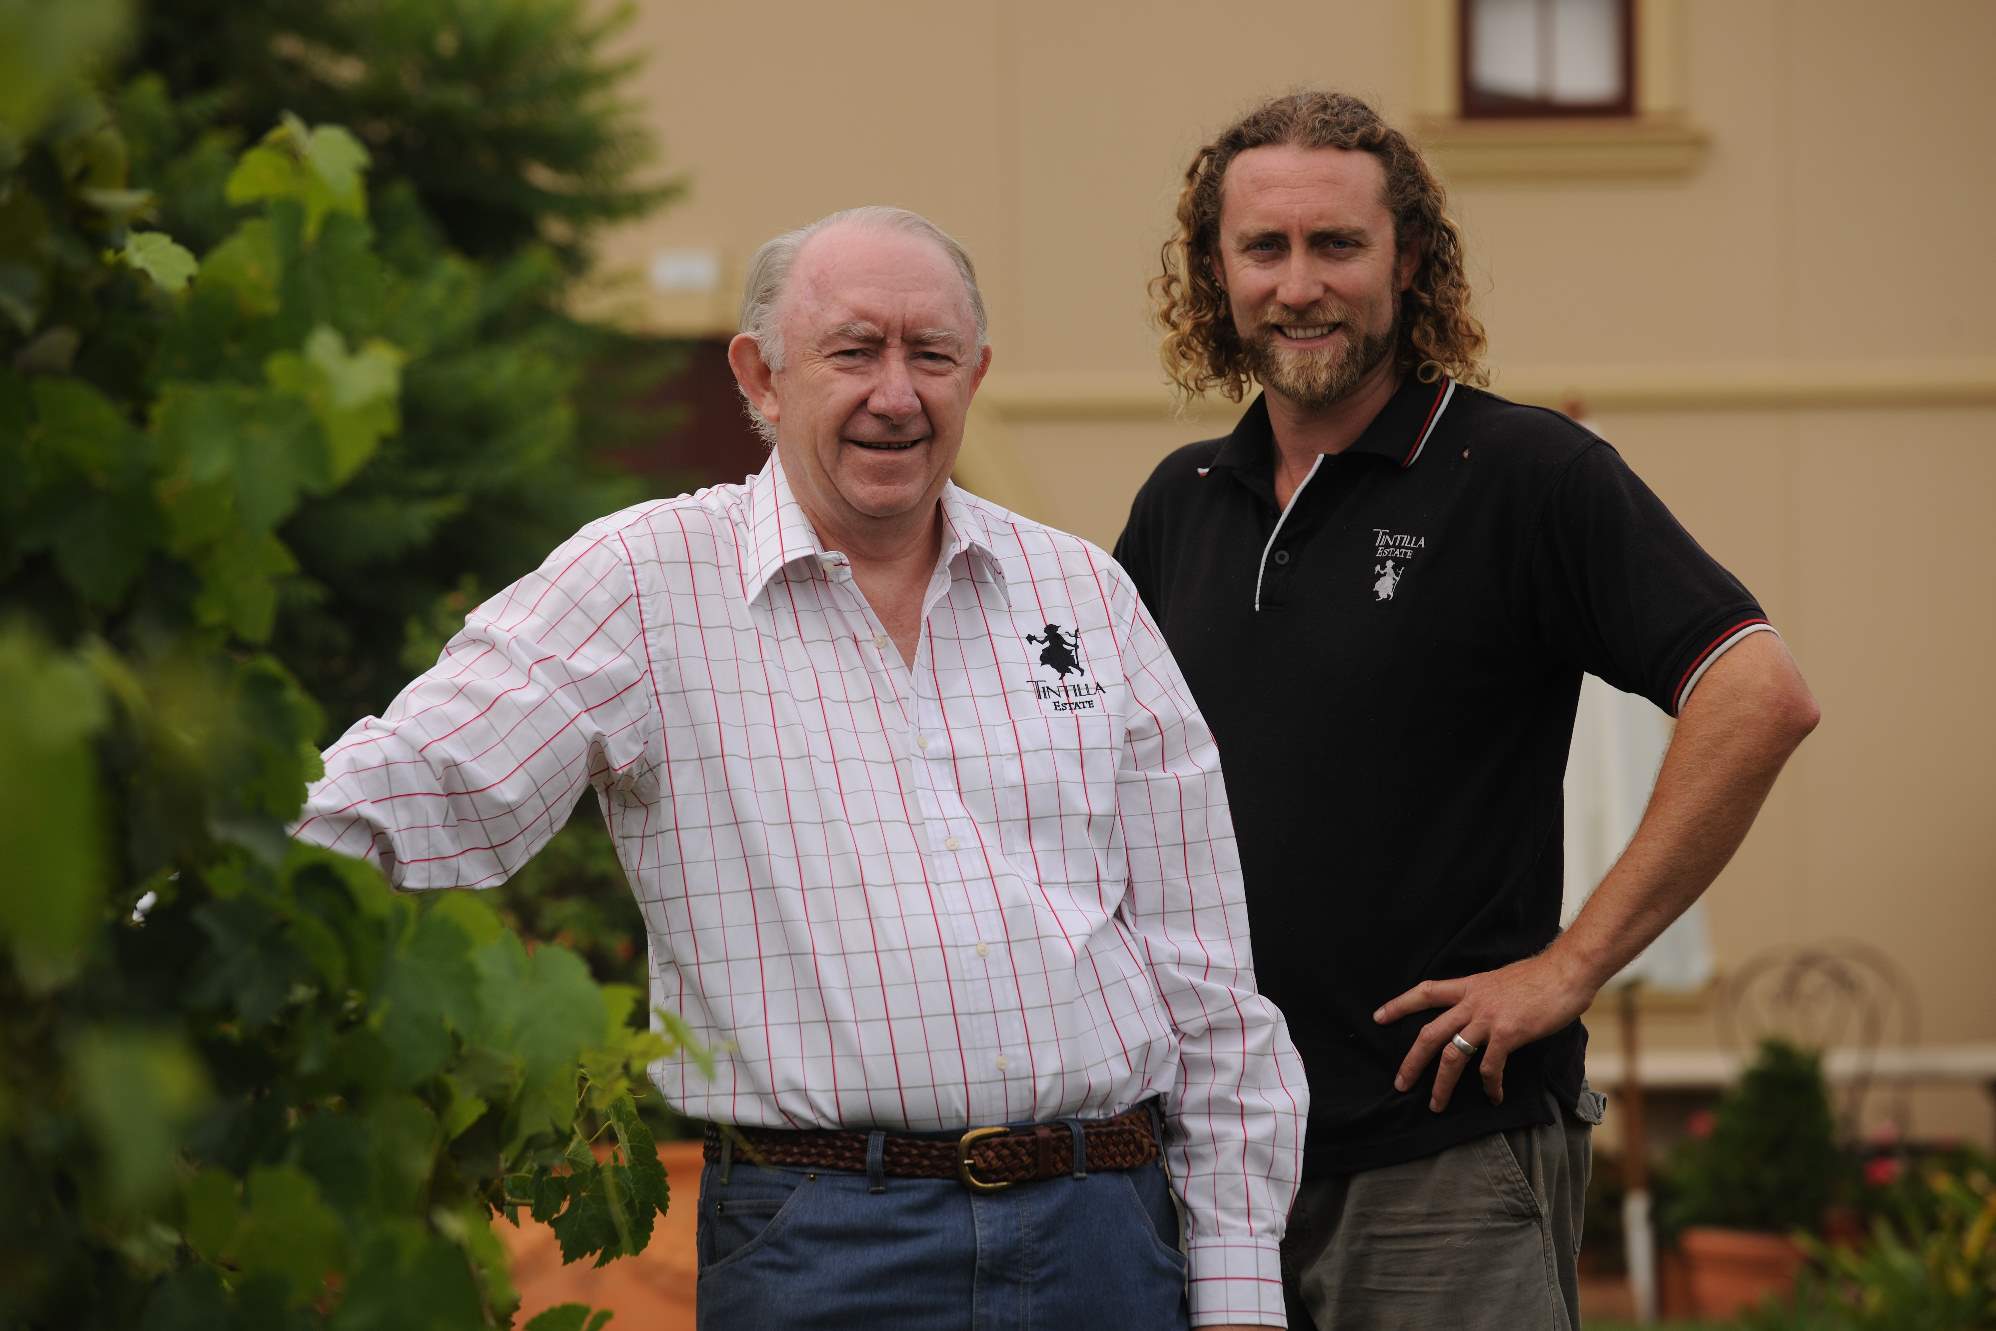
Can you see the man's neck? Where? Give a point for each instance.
(910, 543)
(892, 565)
(1302, 432)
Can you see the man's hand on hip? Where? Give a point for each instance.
(1747, 716)
(1496, 1011)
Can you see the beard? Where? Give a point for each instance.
(1319, 377)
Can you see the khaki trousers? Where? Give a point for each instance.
(1482, 1236)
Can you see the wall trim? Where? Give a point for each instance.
(1652, 147)
(1724, 387)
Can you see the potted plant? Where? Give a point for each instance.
(1760, 1169)
(1929, 1260)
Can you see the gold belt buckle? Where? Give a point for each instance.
(963, 1162)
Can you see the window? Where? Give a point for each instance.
(1554, 89)
(1547, 58)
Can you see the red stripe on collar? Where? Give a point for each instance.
(1428, 425)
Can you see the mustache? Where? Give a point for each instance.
(1323, 314)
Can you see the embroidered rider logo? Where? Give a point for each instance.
(1060, 654)
(1388, 546)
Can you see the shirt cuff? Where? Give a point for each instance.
(1237, 1280)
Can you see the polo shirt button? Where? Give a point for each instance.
(1281, 556)
(984, 949)
(951, 843)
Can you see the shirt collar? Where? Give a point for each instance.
(967, 530)
(780, 535)
(1399, 433)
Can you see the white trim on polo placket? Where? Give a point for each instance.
(1287, 509)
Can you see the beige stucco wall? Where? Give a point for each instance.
(1793, 340)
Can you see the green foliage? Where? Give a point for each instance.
(506, 117)
(1771, 1160)
(155, 255)
(455, 381)
(1933, 1264)
(569, 1317)
(495, 145)
(603, 1207)
(242, 1083)
(41, 46)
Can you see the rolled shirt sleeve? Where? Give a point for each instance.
(546, 690)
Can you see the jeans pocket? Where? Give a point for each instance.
(745, 1214)
(1150, 1195)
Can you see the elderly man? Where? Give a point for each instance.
(963, 929)
(1384, 587)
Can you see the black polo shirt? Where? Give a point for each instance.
(1391, 670)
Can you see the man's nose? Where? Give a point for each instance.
(893, 397)
(1301, 284)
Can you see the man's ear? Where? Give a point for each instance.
(983, 364)
(1407, 262)
(752, 372)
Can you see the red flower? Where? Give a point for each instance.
(1701, 1123)
(1883, 1171)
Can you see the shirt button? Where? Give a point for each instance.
(951, 843)
(921, 741)
(1281, 556)
(1001, 1062)
(984, 949)
(880, 642)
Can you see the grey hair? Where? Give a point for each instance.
(769, 274)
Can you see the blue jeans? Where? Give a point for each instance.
(798, 1249)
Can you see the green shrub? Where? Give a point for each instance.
(242, 1084)
(1771, 1160)
(501, 143)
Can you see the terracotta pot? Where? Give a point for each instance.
(1728, 1271)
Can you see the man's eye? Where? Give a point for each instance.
(849, 353)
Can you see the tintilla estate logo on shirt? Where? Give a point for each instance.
(1060, 656)
(1388, 546)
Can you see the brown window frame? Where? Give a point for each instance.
(1476, 105)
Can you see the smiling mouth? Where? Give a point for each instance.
(1306, 332)
(887, 445)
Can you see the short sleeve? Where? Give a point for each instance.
(1621, 590)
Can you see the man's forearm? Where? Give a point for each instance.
(1746, 717)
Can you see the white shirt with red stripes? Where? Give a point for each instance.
(998, 886)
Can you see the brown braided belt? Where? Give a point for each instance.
(982, 1159)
